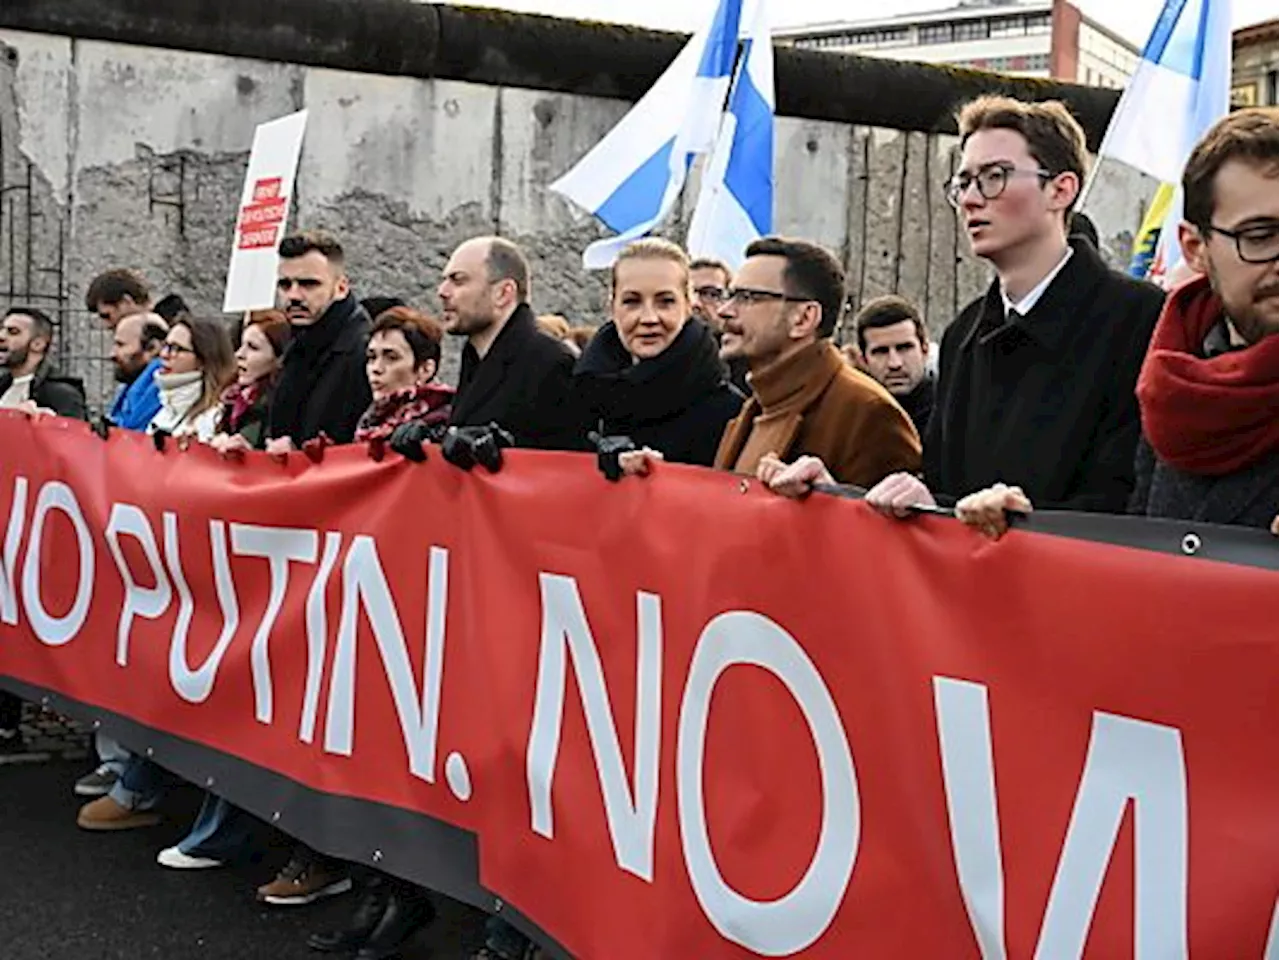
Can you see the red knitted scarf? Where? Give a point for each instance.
(1211, 416)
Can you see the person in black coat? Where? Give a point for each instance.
(321, 391)
(28, 381)
(654, 374)
(1045, 400)
(1036, 377)
(1207, 391)
(26, 369)
(322, 387)
(513, 375)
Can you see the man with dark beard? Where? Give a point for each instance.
(28, 381)
(322, 392)
(1208, 389)
(322, 387)
(135, 357)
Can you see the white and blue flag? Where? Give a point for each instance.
(1181, 87)
(735, 202)
(631, 179)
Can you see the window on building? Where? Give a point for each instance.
(1271, 88)
(972, 30)
(1039, 23)
(1008, 27)
(935, 33)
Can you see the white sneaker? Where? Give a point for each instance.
(175, 859)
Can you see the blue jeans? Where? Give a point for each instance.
(111, 755)
(141, 784)
(222, 831)
(505, 940)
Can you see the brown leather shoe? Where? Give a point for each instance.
(105, 814)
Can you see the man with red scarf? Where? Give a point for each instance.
(1208, 388)
(1207, 392)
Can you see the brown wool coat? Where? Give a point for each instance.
(814, 403)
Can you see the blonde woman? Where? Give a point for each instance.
(653, 373)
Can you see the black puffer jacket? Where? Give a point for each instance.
(676, 403)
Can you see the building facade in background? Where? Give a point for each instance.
(1034, 38)
(1255, 59)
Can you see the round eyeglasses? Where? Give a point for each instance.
(991, 180)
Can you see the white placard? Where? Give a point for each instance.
(264, 211)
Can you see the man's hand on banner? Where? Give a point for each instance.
(898, 494)
(314, 448)
(796, 480)
(609, 451)
(407, 440)
(232, 446)
(466, 446)
(987, 511)
(33, 411)
(278, 448)
(639, 463)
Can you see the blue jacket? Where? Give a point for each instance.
(138, 402)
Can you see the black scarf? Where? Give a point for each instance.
(626, 395)
(303, 362)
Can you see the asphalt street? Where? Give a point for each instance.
(66, 894)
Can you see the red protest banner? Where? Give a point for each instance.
(683, 719)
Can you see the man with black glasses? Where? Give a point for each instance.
(805, 399)
(1207, 391)
(1036, 377)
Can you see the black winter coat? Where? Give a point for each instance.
(1047, 401)
(676, 403)
(523, 384)
(1246, 498)
(49, 389)
(322, 386)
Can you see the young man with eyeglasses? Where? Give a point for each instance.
(1036, 377)
(1208, 388)
(805, 400)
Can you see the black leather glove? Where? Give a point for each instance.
(160, 438)
(102, 427)
(464, 447)
(407, 440)
(608, 450)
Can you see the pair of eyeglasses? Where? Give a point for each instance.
(171, 348)
(991, 180)
(1256, 243)
(746, 296)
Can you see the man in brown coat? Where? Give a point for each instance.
(779, 316)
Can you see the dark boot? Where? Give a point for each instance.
(409, 910)
(369, 912)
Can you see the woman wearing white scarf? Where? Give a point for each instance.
(196, 364)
